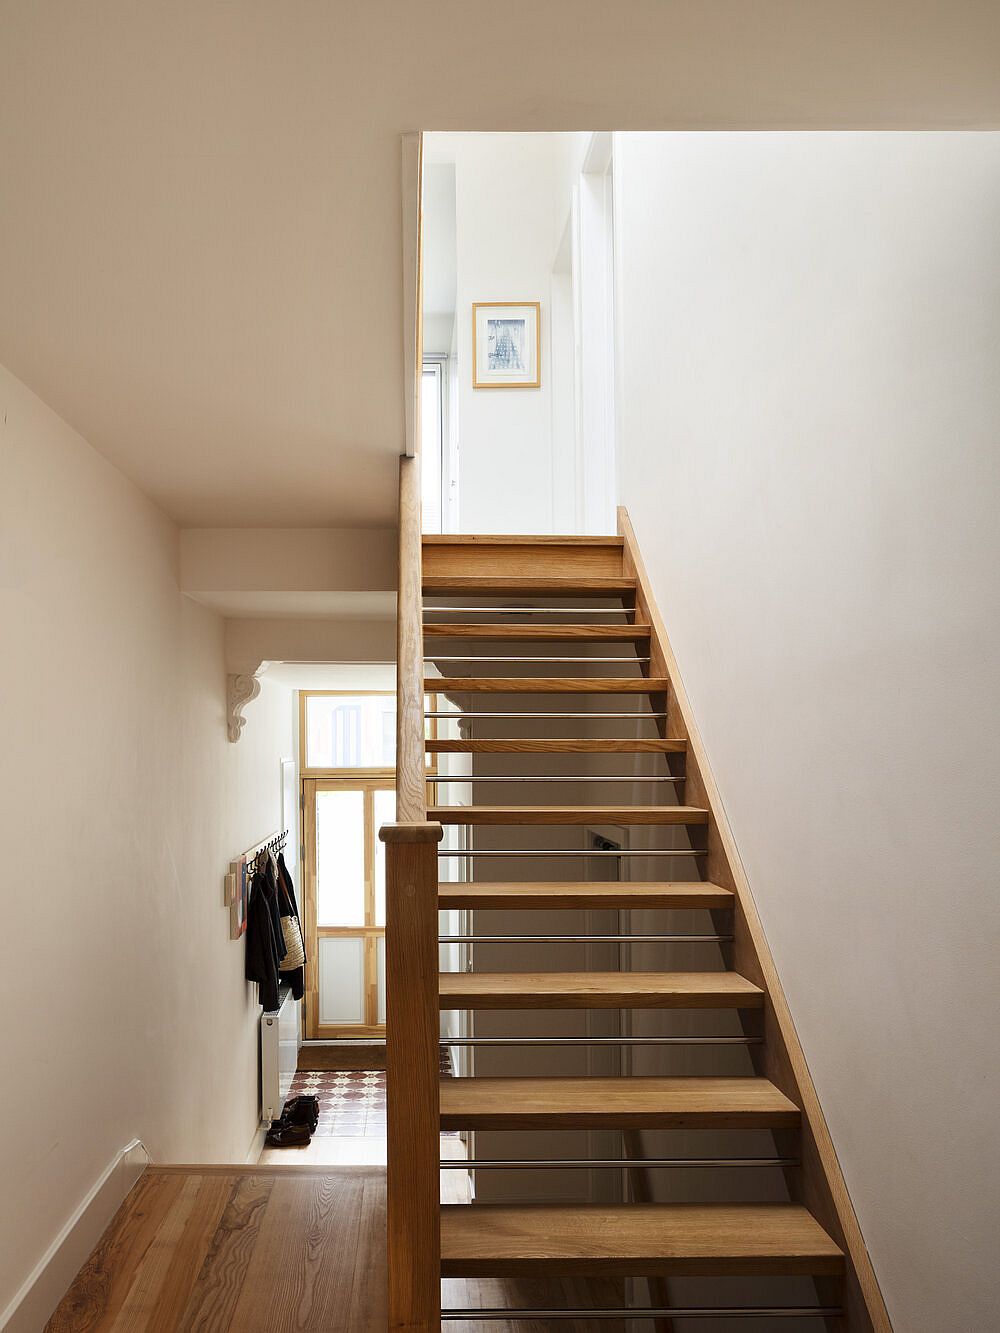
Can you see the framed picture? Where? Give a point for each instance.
(505, 345)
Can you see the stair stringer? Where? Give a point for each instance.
(820, 1182)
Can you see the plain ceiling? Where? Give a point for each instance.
(200, 222)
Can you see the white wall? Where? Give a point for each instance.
(506, 202)
(125, 1009)
(810, 328)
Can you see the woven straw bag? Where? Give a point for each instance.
(295, 954)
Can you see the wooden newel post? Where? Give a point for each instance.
(412, 1076)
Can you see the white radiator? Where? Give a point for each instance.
(280, 1038)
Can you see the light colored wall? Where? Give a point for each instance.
(216, 560)
(505, 205)
(810, 328)
(251, 641)
(125, 1009)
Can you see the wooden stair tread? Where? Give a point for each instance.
(555, 746)
(546, 684)
(541, 633)
(566, 814)
(668, 1239)
(566, 585)
(598, 990)
(559, 894)
(636, 1103)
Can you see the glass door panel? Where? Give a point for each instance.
(341, 979)
(340, 858)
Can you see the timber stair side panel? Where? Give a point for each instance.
(554, 660)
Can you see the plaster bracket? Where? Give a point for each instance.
(240, 689)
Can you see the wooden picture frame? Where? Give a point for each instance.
(506, 344)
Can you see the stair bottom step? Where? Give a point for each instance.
(641, 1239)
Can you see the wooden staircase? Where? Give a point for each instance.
(504, 596)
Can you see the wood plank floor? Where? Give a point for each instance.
(258, 1250)
(275, 1249)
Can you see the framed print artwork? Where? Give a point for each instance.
(505, 345)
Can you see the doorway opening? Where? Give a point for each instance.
(519, 333)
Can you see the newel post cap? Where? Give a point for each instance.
(412, 832)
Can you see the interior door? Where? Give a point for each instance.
(344, 872)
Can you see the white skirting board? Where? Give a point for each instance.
(51, 1277)
(256, 1145)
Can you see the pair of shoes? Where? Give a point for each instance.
(296, 1125)
(302, 1110)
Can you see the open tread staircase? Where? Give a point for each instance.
(496, 599)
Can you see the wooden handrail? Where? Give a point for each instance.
(411, 773)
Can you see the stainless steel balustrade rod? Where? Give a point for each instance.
(438, 657)
(608, 1163)
(650, 1312)
(558, 777)
(585, 939)
(583, 851)
(601, 1041)
(530, 610)
(470, 716)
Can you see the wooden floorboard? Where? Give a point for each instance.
(282, 1249)
(230, 1248)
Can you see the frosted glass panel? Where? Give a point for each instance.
(350, 730)
(385, 813)
(381, 979)
(341, 980)
(340, 858)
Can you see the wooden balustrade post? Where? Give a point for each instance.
(413, 1076)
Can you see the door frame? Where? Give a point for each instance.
(370, 931)
(343, 779)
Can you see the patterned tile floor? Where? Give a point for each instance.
(351, 1102)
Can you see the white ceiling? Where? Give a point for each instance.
(200, 221)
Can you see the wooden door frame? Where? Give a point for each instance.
(349, 779)
(367, 783)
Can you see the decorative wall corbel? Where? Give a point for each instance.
(239, 691)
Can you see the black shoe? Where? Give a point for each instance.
(302, 1110)
(282, 1135)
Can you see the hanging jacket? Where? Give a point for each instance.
(289, 907)
(265, 945)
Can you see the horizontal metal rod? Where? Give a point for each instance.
(562, 717)
(530, 610)
(478, 657)
(663, 851)
(555, 777)
(580, 939)
(602, 1041)
(492, 1315)
(608, 1163)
